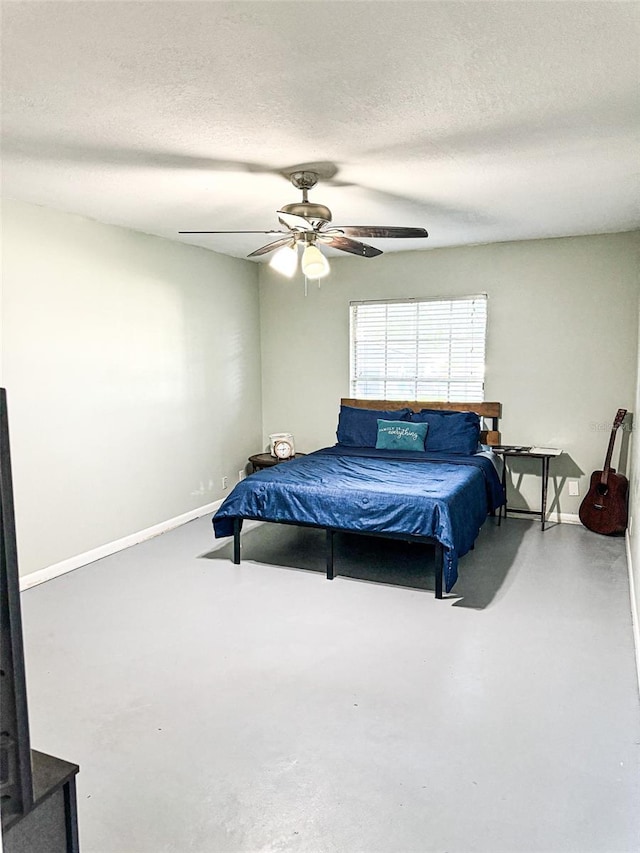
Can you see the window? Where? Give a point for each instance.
(419, 349)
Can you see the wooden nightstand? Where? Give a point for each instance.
(266, 460)
(544, 454)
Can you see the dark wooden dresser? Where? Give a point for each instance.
(37, 791)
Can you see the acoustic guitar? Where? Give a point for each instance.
(604, 508)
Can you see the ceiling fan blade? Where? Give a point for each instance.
(263, 250)
(232, 232)
(291, 220)
(336, 241)
(376, 231)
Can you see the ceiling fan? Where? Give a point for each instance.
(308, 224)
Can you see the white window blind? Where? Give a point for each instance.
(430, 349)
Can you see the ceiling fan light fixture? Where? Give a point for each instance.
(314, 264)
(285, 260)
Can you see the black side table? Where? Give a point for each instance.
(266, 460)
(544, 454)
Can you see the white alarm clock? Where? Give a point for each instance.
(282, 448)
(287, 437)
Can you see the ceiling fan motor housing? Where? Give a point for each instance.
(305, 181)
(309, 210)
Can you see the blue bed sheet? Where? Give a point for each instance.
(444, 497)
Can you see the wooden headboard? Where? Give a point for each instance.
(491, 411)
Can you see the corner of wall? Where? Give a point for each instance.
(633, 534)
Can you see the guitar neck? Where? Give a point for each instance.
(612, 439)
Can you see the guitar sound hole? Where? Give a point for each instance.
(602, 489)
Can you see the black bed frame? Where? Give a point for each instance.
(330, 531)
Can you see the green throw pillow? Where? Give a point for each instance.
(401, 435)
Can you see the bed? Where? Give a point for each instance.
(430, 495)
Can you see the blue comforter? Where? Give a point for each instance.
(446, 498)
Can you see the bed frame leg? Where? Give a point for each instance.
(330, 533)
(439, 560)
(237, 527)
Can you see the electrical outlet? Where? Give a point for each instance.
(225, 482)
(574, 488)
(241, 474)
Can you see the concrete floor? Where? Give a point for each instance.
(215, 708)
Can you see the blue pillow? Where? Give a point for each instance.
(359, 427)
(450, 432)
(401, 435)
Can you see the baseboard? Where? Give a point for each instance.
(564, 517)
(57, 569)
(559, 517)
(635, 616)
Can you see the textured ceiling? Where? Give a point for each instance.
(479, 121)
